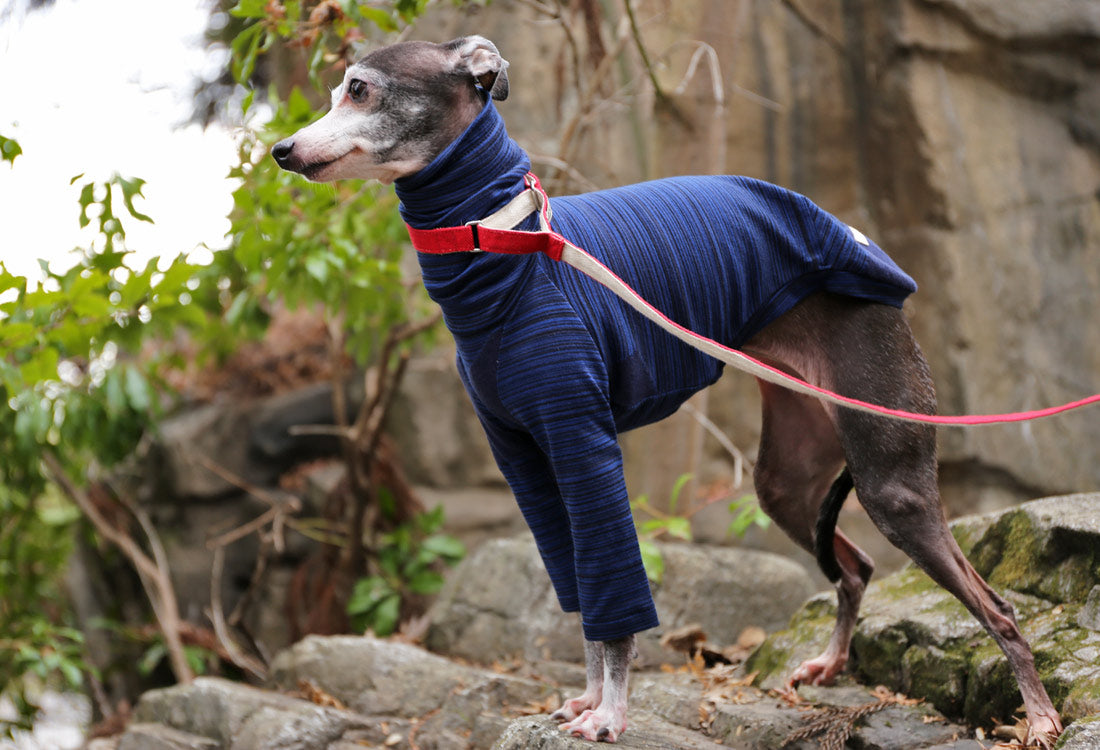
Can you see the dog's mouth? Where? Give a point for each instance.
(312, 171)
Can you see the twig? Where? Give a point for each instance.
(238, 482)
(162, 596)
(658, 92)
(258, 571)
(563, 166)
(588, 94)
(221, 630)
(270, 515)
(817, 28)
(739, 459)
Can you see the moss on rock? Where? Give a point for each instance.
(1043, 557)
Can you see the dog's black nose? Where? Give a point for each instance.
(282, 150)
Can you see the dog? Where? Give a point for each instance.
(556, 366)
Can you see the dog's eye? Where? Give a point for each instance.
(357, 89)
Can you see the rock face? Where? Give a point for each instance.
(964, 135)
(1044, 557)
(725, 590)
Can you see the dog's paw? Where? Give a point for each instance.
(598, 725)
(1043, 731)
(820, 671)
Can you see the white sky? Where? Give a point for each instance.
(101, 86)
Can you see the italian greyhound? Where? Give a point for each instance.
(555, 370)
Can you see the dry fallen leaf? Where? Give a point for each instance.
(547, 705)
(313, 693)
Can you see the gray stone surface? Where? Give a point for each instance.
(160, 737)
(723, 589)
(372, 676)
(664, 707)
(1084, 735)
(241, 717)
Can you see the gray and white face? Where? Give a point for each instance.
(395, 110)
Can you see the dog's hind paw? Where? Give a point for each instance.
(1043, 731)
(820, 671)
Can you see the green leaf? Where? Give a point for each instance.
(41, 366)
(9, 149)
(14, 335)
(130, 189)
(151, 658)
(679, 527)
(317, 267)
(87, 197)
(384, 619)
(652, 561)
(248, 9)
(380, 18)
(137, 390)
(72, 673)
(196, 657)
(298, 107)
(368, 594)
(446, 547)
(425, 582)
(677, 488)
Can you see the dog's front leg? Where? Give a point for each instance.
(593, 686)
(608, 667)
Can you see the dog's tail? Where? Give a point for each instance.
(826, 525)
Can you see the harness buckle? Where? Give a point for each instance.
(473, 225)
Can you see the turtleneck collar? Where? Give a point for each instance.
(473, 177)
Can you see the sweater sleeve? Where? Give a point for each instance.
(562, 460)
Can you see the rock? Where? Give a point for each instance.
(498, 603)
(1089, 616)
(243, 717)
(1048, 548)
(186, 441)
(664, 707)
(475, 714)
(642, 733)
(160, 737)
(370, 675)
(916, 638)
(438, 436)
(476, 514)
(1082, 735)
(724, 589)
(272, 418)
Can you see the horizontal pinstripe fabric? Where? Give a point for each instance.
(557, 366)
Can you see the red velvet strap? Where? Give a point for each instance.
(472, 238)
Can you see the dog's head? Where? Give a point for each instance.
(396, 109)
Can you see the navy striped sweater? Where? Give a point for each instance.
(557, 366)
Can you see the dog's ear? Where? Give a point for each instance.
(479, 58)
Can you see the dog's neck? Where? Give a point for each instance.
(477, 174)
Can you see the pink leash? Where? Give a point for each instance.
(483, 236)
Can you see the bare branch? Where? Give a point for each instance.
(221, 629)
(739, 459)
(240, 483)
(563, 166)
(162, 596)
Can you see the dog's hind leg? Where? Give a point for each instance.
(799, 459)
(893, 465)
